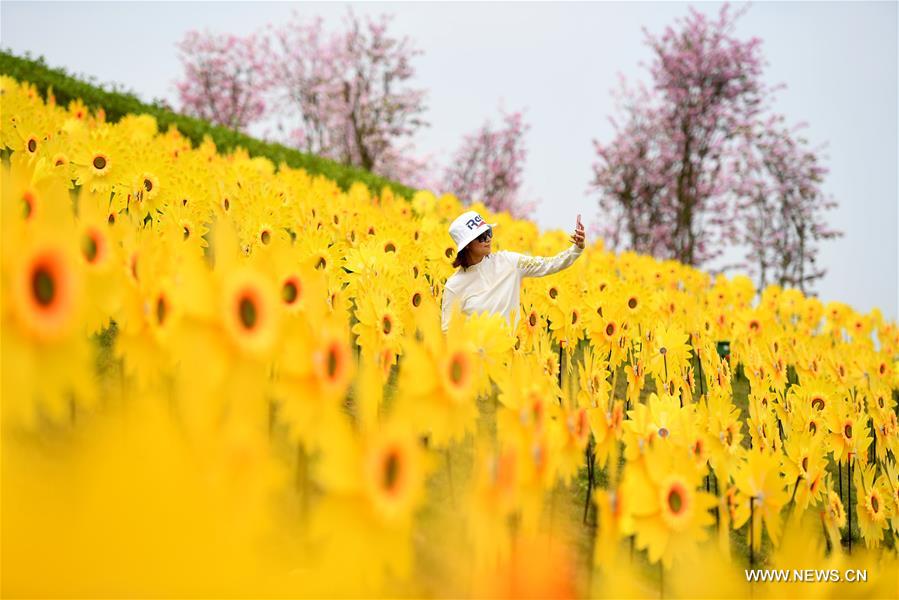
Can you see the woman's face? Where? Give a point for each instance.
(481, 245)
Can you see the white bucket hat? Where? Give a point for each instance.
(467, 227)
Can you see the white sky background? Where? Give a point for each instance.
(559, 61)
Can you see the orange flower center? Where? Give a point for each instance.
(457, 369)
(90, 246)
(289, 292)
(537, 412)
(675, 499)
(532, 320)
(28, 204)
(47, 285)
(816, 482)
(247, 312)
(875, 503)
(43, 285)
(632, 303)
(161, 310)
(582, 423)
(334, 361)
(392, 471)
(610, 329)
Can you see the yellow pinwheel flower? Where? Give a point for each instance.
(438, 384)
(803, 467)
(47, 359)
(874, 504)
(670, 356)
(759, 480)
(726, 451)
(848, 432)
(380, 327)
(669, 514)
(375, 483)
(593, 379)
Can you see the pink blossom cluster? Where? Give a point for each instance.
(488, 167)
(225, 78)
(782, 206)
(348, 94)
(697, 160)
(343, 95)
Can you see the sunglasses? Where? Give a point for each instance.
(485, 236)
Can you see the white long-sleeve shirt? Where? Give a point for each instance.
(494, 284)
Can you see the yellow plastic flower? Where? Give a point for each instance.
(873, 504)
(670, 514)
(759, 479)
(670, 357)
(439, 383)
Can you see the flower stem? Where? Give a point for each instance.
(589, 457)
(751, 531)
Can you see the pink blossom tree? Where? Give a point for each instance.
(782, 207)
(667, 172)
(632, 177)
(225, 78)
(488, 167)
(696, 163)
(349, 92)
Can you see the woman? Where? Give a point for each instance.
(492, 282)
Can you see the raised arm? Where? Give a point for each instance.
(540, 266)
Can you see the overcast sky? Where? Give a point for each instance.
(559, 61)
